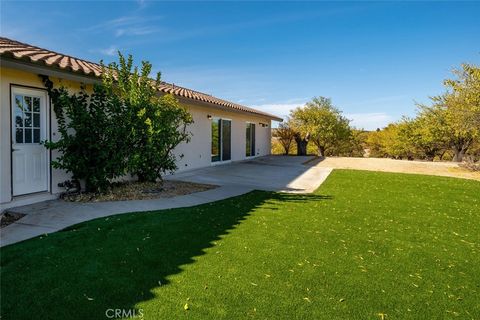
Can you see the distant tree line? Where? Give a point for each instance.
(446, 129)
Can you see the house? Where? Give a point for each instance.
(222, 131)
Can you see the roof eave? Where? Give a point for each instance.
(189, 101)
(40, 67)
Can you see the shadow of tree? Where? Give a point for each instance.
(314, 161)
(115, 262)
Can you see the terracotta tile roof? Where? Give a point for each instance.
(36, 55)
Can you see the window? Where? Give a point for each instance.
(250, 139)
(221, 139)
(27, 119)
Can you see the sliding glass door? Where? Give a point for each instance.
(226, 140)
(250, 139)
(221, 139)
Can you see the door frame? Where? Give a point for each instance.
(48, 130)
(254, 140)
(220, 162)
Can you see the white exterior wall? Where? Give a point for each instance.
(10, 77)
(196, 153)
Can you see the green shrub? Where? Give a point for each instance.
(93, 140)
(158, 123)
(123, 127)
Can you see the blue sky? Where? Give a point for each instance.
(374, 59)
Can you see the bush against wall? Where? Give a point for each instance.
(158, 123)
(122, 127)
(91, 148)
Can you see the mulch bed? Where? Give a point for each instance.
(9, 218)
(141, 191)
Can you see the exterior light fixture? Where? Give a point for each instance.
(209, 116)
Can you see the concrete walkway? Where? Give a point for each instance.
(272, 173)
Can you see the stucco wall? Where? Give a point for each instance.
(196, 153)
(10, 77)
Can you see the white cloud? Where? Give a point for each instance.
(135, 31)
(134, 25)
(141, 4)
(278, 109)
(110, 51)
(369, 121)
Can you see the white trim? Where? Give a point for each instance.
(27, 199)
(34, 92)
(254, 141)
(215, 163)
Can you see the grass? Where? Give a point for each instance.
(364, 245)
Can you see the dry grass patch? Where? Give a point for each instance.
(447, 169)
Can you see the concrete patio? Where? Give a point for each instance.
(271, 173)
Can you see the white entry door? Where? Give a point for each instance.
(29, 126)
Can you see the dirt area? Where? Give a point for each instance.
(9, 218)
(141, 191)
(448, 169)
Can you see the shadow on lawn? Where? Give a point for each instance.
(115, 262)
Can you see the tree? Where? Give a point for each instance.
(320, 122)
(123, 126)
(285, 135)
(451, 124)
(94, 135)
(458, 110)
(374, 144)
(301, 137)
(302, 143)
(474, 151)
(427, 134)
(354, 146)
(393, 141)
(158, 123)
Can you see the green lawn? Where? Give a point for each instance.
(364, 244)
